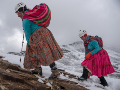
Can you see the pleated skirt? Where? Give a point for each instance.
(42, 49)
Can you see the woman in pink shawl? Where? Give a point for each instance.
(97, 60)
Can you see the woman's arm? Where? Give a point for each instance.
(96, 47)
(27, 29)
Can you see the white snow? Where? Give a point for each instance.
(71, 62)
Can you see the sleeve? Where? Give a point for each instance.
(96, 47)
(86, 52)
(27, 29)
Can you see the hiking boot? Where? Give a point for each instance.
(55, 74)
(104, 84)
(82, 79)
(103, 81)
(54, 68)
(84, 75)
(37, 70)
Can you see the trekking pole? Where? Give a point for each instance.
(22, 44)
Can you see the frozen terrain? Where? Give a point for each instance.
(71, 62)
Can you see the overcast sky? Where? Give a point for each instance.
(98, 17)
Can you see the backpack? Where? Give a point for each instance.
(98, 39)
(40, 14)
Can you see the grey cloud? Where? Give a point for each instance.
(101, 17)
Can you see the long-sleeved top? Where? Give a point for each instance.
(93, 47)
(29, 28)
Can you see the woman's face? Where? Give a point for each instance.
(20, 14)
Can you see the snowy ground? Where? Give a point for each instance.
(71, 63)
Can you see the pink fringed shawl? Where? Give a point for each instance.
(40, 14)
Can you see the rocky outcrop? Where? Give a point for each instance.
(60, 84)
(1, 57)
(13, 77)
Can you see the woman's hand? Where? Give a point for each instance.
(88, 55)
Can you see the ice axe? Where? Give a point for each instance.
(22, 45)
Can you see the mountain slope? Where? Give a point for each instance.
(71, 63)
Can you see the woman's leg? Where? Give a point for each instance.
(103, 81)
(54, 70)
(37, 70)
(84, 75)
(53, 66)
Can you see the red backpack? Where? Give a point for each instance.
(40, 14)
(98, 39)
